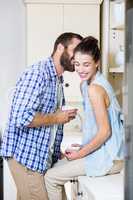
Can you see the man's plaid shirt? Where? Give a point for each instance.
(35, 92)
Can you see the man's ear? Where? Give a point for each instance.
(60, 48)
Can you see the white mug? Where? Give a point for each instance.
(68, 108)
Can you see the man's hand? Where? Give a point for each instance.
(59, 117)
(63, 117)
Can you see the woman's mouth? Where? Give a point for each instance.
(83, 75)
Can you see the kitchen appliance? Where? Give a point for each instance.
(1, 174)
(129, 102)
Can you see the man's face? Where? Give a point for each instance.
(67, 55)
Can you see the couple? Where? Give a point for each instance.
(31, 143)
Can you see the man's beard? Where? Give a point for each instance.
(66, 62)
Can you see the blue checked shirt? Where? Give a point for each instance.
(35, 92)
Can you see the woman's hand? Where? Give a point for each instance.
(76, 145)
(72, 154)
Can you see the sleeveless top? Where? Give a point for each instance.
(100, 161)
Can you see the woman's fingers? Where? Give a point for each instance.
(76, 145)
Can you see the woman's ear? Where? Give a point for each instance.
(98, 65)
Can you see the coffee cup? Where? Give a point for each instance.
(65, 108)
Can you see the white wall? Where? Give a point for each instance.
(12, 62)
(12, 49)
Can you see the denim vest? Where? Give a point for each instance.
(100, 161)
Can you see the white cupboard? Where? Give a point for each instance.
(44, 24)
(46, 20)
(83, 19)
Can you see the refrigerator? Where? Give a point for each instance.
(1, 174)
(129, 101)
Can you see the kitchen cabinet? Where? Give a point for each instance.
(93, 188)
(1, 172)
(46, 20)
(80, 19)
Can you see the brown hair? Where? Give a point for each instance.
(65, 39)
(89, 45)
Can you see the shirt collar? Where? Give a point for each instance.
(52, 70)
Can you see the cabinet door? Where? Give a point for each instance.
(72, 87)
(44, 24)
(82, 19)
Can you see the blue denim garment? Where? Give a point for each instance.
(100, 161)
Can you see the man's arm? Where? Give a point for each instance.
(59, 117)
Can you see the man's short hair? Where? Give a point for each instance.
(65, 39)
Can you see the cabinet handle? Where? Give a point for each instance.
(67, 84)
(73, 181)
(80, 194)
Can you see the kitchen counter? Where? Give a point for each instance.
(109, 187)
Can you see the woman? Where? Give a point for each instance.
(101, 152)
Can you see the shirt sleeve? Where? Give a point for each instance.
(27, 97)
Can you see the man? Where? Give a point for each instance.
(32, 139)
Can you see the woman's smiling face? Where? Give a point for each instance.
(85, 66)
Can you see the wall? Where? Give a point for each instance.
(12, 62)
(12, 50)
